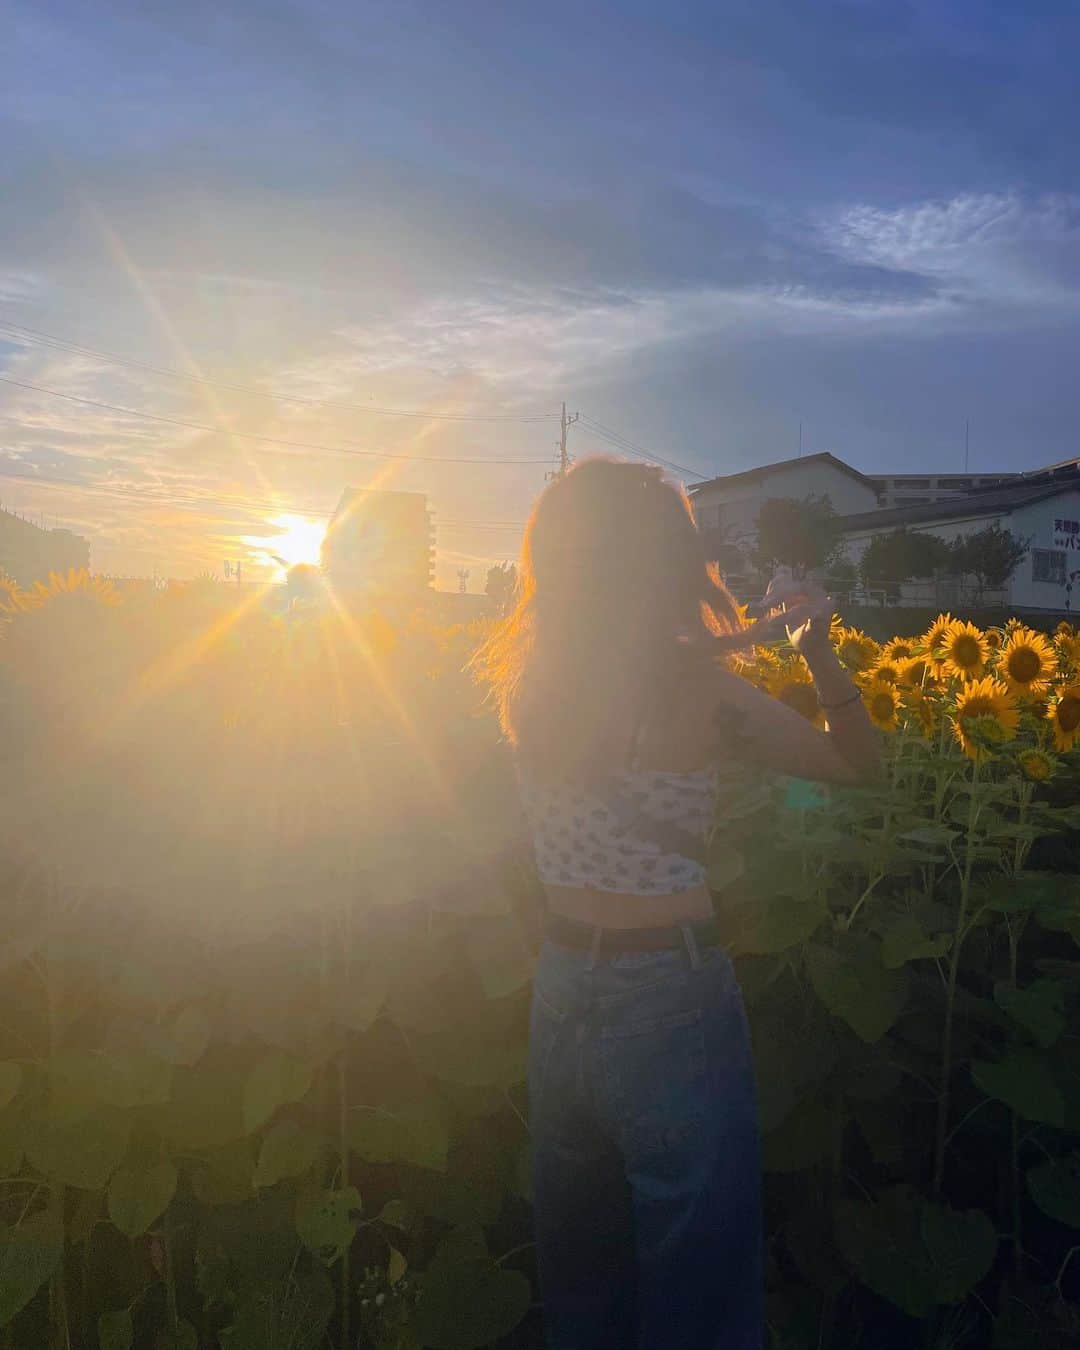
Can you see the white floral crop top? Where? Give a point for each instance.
(642, 832)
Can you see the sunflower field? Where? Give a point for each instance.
(269, 922)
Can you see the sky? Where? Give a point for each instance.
(699, 224)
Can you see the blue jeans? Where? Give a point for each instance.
(646, 1169)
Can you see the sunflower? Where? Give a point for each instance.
(886, 670)
(790, 682)
(916, 702)
(935, 635)
(77, 582)
(916, 673)
(1027, 662)
(856, 651)
(986, 713)
(1064, 715)
(1064, 629)
(993, 639)
(1068, 645)
(898, 649)
(964, 650)
(1036, 765)
(882, 703)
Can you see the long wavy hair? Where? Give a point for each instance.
(615, 604)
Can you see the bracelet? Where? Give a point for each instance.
(844, 703)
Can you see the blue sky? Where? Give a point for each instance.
(698, 223)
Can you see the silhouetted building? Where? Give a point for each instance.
(380, 542)
(28, 553)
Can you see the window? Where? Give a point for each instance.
(954, 482)
(899, 484)
(913, 501)
(1048, 564)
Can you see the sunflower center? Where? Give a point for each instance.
(882, 706)
(966, 652)
(976, 707)
(1035, 765)
(1024, 665)
(1068, 713)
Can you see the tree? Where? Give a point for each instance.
(501, 585)
(991, 556)
(900, 556)
(804, 535)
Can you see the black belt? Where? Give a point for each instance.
(573, 933)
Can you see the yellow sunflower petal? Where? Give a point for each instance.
(1064, 716)
(882, 702)
(963, 650)
(992, 705)
(1027, 661)
(1036, 765)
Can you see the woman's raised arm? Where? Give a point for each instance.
(758, 729)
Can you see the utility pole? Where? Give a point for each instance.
(565, 423)
(967, 441)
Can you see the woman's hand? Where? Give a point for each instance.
(799, 608)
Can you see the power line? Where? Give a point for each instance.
(250, 436)
(621, 442)
(205, 500)
(41, 339)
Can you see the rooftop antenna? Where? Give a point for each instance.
(800, 438)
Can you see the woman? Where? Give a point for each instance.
(611, 685)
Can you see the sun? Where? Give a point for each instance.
(299, 540)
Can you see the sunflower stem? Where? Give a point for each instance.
(950, 992)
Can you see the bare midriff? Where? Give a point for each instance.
(619, 909)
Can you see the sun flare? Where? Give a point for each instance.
(299, 540)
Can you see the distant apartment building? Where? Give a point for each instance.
(29, 552)
(380, 542)
(914, 489)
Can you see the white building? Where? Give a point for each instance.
(1041, 508)
(727, 507)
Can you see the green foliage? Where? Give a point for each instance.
(890, 559)
(467, 1300)
(1025, 1082)
(274, 1081)
(991, 555)
(263, 1018)
(325, 1222)
(139, 1195)
(914, 1253)
(292, 1314)
(287, 1150)
(116, 1330)
(30, 1253)
(857, 987)
(800, 534)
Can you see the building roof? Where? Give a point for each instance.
(764, 470)
(993, 501)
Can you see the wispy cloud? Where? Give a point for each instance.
(1001, 248)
